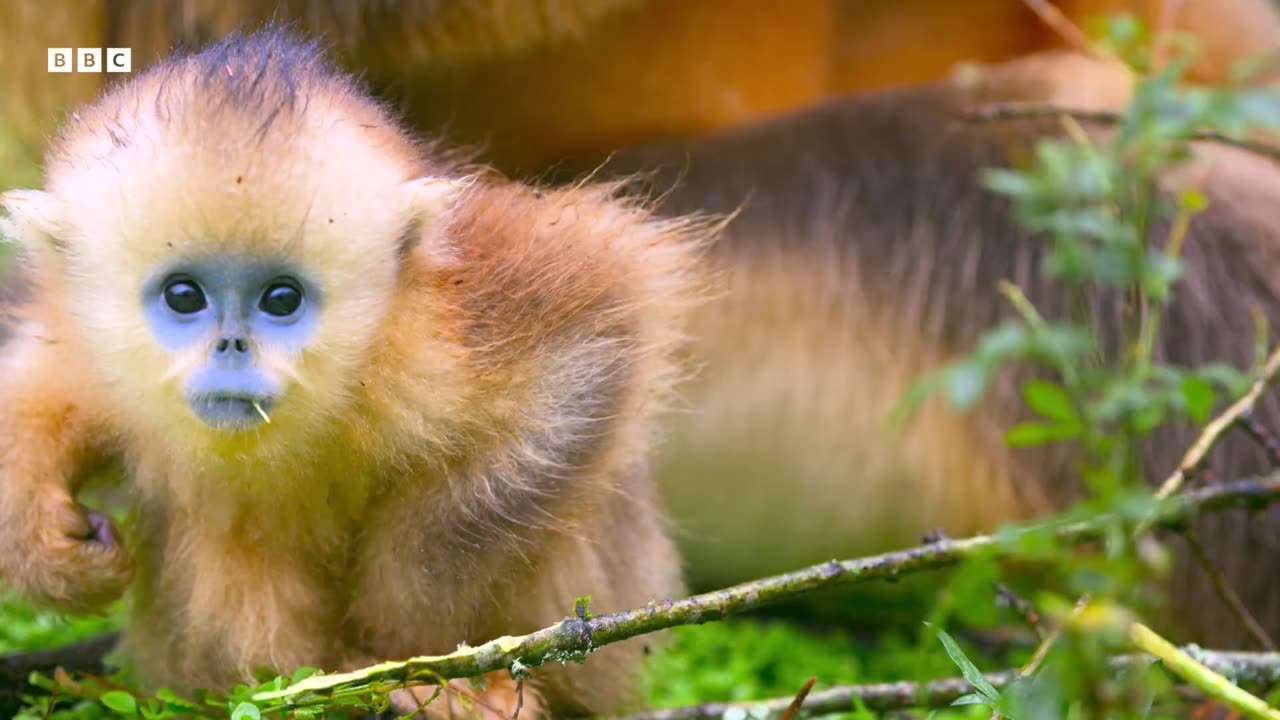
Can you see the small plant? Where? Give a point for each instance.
(1097, 203)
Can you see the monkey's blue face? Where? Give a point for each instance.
(225, 314)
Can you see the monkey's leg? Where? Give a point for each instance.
(214, 602)
(433, 574)
(52, 550)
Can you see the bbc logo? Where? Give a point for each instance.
(118, 60)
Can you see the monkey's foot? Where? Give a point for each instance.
(500, 698)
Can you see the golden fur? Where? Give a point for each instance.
(866, 253)
(536, 81)
(462, 448)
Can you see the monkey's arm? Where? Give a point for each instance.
(52, 550)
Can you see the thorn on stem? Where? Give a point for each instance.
(794, 707)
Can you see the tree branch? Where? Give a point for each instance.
(1227, 594)
(999, 111)
(15, 669)
(574, 637)
(1258, 672)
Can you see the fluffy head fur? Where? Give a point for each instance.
(253, 147)
(474, 402)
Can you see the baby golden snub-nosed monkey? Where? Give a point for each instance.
(371, 403)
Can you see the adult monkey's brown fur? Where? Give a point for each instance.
(536, 81)
(462, 411)
(866, 253)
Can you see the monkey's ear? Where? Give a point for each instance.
(431, 202)
(32, 220)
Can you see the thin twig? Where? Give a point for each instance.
(1227, 594)
(1164, 27)
(575, 637)
(1061, 25)
(1042, 650)
(85, 656)
(1023, 607)
(1218, 427)
(998, 111)
(1253, 671)
(1211, 683)
(1269, 443)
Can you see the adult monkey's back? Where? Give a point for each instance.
(865, 253)
(539, 81)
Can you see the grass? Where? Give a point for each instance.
(748, 659)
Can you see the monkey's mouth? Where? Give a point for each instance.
(232, 411)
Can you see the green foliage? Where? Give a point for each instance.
(984, 692)
(1096, 201)
(23, 628)
(582, 607)
(745, 659)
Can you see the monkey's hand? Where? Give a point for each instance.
(59, 554)
(53, 551)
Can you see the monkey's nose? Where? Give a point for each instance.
(228, 344)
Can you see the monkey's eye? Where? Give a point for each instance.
(281, 300)
(184, 297)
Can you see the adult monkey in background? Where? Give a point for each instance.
(538, 81)
(866, 253)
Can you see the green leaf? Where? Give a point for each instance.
(1146, 419)
(912, 399)
(1197, 393)
(1029, 434)
(1159, 272)
(1260, 107)
(1049, 400)
(246, 711)
(965, 384)
(1008, 182)
(1002, 342)
(970, 699)
(973, 591)
(1231, 379)
(967, 668)
(173, 702)
(121, 702)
